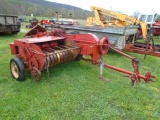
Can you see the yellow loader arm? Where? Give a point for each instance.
(116, 19)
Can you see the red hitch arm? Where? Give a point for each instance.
(135, 77)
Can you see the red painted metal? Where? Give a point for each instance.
(157, 30)
(50, 23)
(156, 26)
(135, 76)
(88, 44)
(41, 50)
(42, 22)
(32, 24)
(143, 48)
(36, 31)
(147, 47)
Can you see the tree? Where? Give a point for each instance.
(40, 8)
(29, 11)
(158, 18)
(136, 14)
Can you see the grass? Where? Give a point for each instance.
(37, 17)
(73, 91)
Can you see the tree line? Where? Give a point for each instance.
(41, 8)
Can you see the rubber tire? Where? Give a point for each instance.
(21, 68)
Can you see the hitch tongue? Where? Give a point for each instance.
(136, 78)
(148, 77)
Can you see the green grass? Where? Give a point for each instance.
(37, 17)
(74, 92)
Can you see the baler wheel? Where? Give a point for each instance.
(36, 74)
(17, 68)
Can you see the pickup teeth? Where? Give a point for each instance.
(62, 55)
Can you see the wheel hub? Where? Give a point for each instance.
(15, 70)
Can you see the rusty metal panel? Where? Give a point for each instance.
(9, 23)
(110, 30)
(10, 20)
(2, 20)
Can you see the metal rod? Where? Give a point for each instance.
(118, 51)
(101, 68)
(124, 71)
(48, 67)
(115, 68)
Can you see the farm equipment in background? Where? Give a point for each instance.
(106, 20)
(157, 30)
(51, 23)
(121, 38)
(9, 23)
(152, 23)
(40, 50)
(46, 22)
(33, 23)
(58, 21)
(22, 19)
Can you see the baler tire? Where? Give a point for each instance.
(19, 72)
